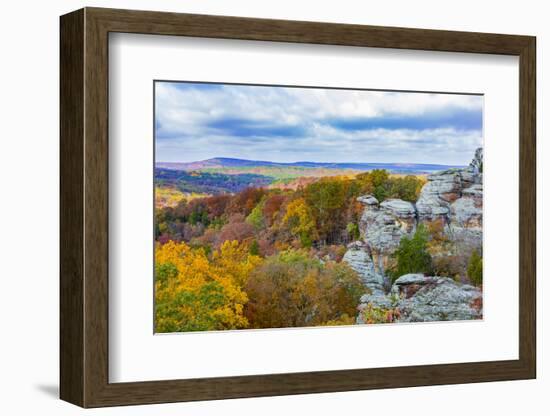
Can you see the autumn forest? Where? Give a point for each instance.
(264, 258)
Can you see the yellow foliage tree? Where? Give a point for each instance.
(197, 293)
(301, 222)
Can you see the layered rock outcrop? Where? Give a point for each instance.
(359, 258)
(419, 298)
(382, 227)
(453, 197)
(438, 299)
(467, 211)
(445, 189)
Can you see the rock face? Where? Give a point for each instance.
(442, 189)
(477, 162)
(360, 260)
(384, 224)
(447, 188)
(419, 298)
(467, 211)
(455, 198)
(442, 300)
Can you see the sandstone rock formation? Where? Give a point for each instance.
(454, 197)
(419, 298)
(445, 189)
(382, 227)
(442, 189)
(358, 257)
(384, 224)
(466, 213)
(477, 162)
(439, 300)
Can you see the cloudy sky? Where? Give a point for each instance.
(196, 121)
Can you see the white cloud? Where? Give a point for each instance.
(296, 124)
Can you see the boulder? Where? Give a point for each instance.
(412, 279)
(408, 284)
(439, 299)
(368, 200)
(401, 209)
(419, 298)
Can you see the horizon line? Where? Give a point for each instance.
(309, 161)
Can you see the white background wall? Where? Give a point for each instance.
(29, 207)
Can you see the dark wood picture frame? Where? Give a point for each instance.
(84, 207)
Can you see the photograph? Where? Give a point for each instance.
(281, 206)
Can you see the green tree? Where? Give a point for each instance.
(475, 268)
(379, 183)
(254, 248)
(165, 272)
(192, 310)
(406, 188)
(412, 255)
(353, 230)
(198, 215)
(326, 198)
(256, 217)
(375, 182)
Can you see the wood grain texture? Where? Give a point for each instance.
(84, 205)
(527, 208)
(71, 208)
(96, 208)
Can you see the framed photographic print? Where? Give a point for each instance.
(255, 207)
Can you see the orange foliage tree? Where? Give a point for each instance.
(291, 289)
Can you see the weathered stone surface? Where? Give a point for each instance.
(368, 200)
(475, 192)
(445, 187)
(477, 162)
(412, 279)
(380, 300)
(360, 260)
(401, 209)
(466, 218)
(467, 211)
(454, 197)
(419, 298)
(385, 224)
(436, 195)
(440, 299)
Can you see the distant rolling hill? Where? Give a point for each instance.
(207, 183)
(225, 175)
(225, 163)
